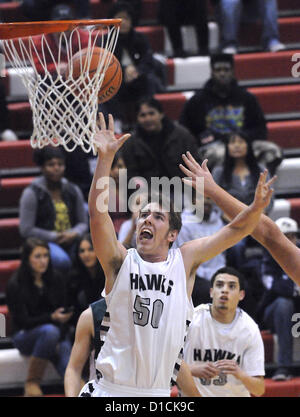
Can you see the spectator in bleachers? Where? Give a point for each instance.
(238, 175)
(127, 233)
(176, 13)
(36, 297)
(58, 12)
(52, 208)
(230, 14)
(118, 208)
(157, 143)
(6, 133)
(280, 301)
(36, 10)
(143, 74)
(194, 228)
(86, 280)
(222, 107)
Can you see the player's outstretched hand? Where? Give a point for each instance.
(263, 192)
(105, 140)
(194, 170)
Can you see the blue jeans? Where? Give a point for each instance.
(60, 258)
(277, 317)
(45, 342)
(230, 13)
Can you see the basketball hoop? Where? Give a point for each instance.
(64, 107)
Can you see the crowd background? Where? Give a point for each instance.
(222, 121)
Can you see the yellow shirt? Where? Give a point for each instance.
(62, 220)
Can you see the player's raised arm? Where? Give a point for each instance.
(285, 253)
(201, 250)
(109, 251)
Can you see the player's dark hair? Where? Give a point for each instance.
(150, 102)
(250, 160)
(41, 156)
(216, 58)
(25, 274)
(230, 271)
(121, 6)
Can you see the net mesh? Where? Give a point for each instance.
(64, 107)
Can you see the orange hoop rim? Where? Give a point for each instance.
(24, 29)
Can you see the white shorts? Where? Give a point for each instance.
(103, 388)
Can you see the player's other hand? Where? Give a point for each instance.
(228, 366)
(204, 370)
(194, 170)
(105, 140)
(263, 192)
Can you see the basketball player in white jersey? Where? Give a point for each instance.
(224, 348)
(148, 289)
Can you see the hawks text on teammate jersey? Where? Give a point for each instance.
(151, 282)
(213, 355)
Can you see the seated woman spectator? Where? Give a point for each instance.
(143, 74)
(86, 280)
(52, 208)
(238, 175)
(118, 208)
(36, 297)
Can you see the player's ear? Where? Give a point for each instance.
(242, 295)
(173, 235)
(211, 292)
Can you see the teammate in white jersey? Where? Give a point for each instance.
(224, 348)
(148, 289)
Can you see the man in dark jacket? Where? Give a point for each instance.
(157, 143)
(280, 300)
(221, 108)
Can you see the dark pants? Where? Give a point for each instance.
(45, 342)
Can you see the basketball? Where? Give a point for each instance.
(113, 75)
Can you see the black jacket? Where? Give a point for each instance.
(29, 306)
(206, 113)
(143, 160)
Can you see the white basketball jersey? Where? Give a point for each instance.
(145, 325)
(209, 340)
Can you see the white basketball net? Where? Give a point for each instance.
(64, 109)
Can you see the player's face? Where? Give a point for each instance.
(114, 172)
(153, 234)
(150, 119)
(237, 147)
(126, 21)
(54, 169)
(87, 254)
(226, 292)
(39, 260)
(222, 73)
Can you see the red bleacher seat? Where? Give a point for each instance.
(263, 65)
(295, 209)
(20, 116)
(268, 341)
(11, 12)
(10, 235)
(11, 190)
(289, 388)
(7, 268)
(285, 133)
(16, 154)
